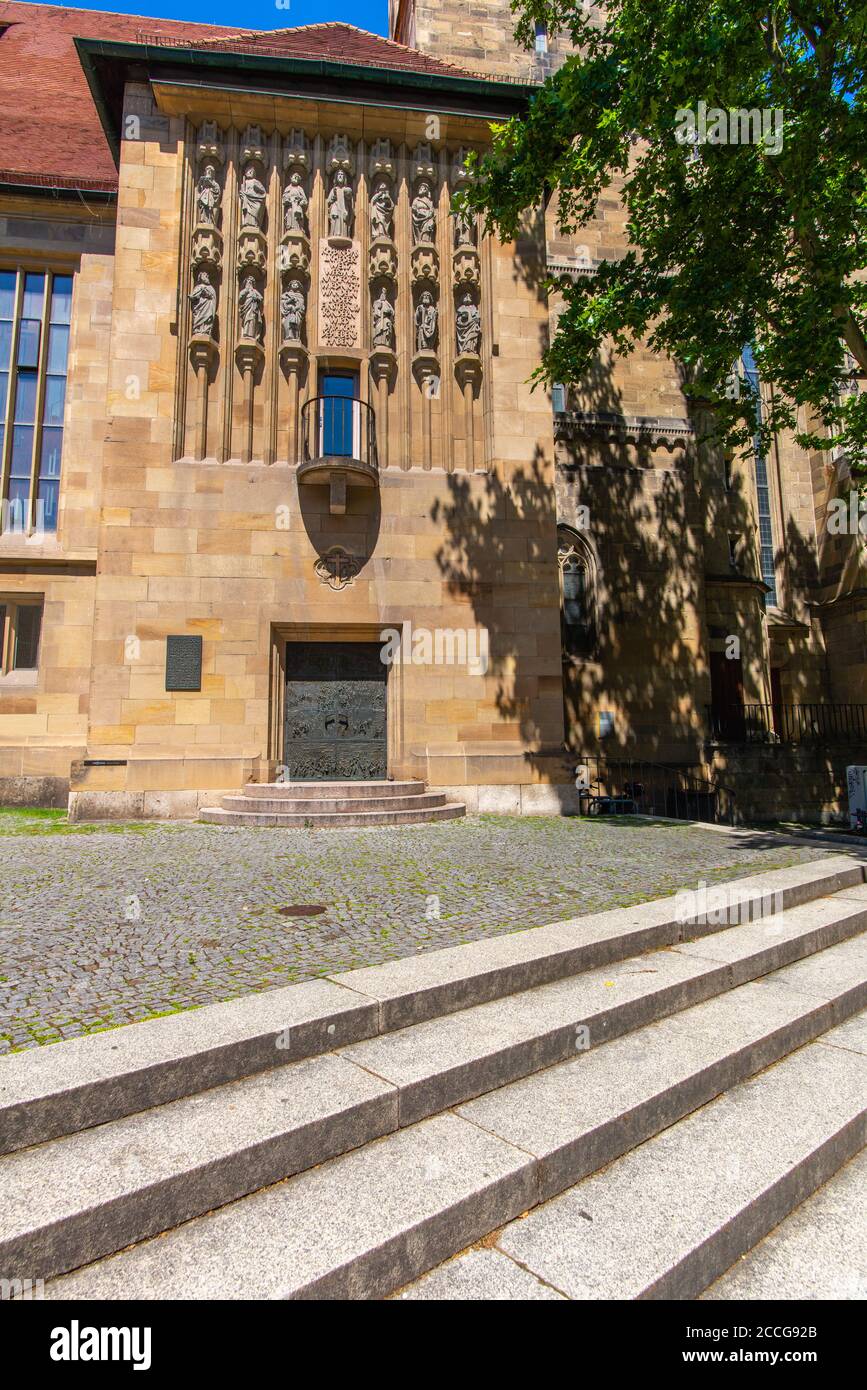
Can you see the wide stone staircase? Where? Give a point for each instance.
(333, 805)
(677, 1086)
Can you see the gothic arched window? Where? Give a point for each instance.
(577, 593)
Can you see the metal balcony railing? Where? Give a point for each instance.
(338, 430)
(787, 723)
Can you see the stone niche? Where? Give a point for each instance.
(310, 251)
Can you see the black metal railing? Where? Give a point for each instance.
(628, 786)
(787, 723)
(338, 427)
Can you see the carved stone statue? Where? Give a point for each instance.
(426, 316)
(423, 215)
(383, 321)
(468, 326)
(203, 306)
(208, 195)
(381, 211)
(464, 229)
(252, 194)
(295, 202)
(250, 302)
(292, 306)
(340, 205)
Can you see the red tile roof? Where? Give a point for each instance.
(50, 131)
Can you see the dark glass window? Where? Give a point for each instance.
(20, 629)
(577, 594)
(28, 625)
(35, 314)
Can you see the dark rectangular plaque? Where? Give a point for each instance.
(183, 663)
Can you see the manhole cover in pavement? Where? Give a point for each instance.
(302, 910)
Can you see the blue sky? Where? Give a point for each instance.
(254, 14)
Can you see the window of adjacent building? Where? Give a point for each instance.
(577, 593)
(558, 397)
(35, 314)
(20, 630)
(541, 38)
(763, 494)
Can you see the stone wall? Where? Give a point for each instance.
(44, 714)
(238, 551)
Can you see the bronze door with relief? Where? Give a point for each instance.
(335, 723)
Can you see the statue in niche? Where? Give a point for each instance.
(292, 306)
(203, 306)
(208, 195)
(252, 193)
(340, 204)
(381, 211)
(426, 316)
(464, 229)
(250, 303)
(423, 215)
(383, 321)
(468, 326)
(295, 202)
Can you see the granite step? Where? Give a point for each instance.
(300, 805)
(54, 1091)
(318, 791)
(819, 1252)
(73, 1200)
(346, 820)
(658, 1216)
(669, 1217)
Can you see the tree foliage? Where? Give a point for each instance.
(759, 242)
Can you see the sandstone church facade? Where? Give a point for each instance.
(267, 408)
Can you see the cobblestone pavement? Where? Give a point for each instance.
(107, 927)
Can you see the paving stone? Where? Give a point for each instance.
(103, 928)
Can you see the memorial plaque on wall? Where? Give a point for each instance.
(339, 293)
(183, 663)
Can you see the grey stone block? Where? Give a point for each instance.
(819, 1252)
(357, 1227)
(781, 939)
(450, 1059)
(87, 1081)
(668, 1218)
(66, 1203)
(480, 1274)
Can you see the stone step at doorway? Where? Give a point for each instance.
(333, 805)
